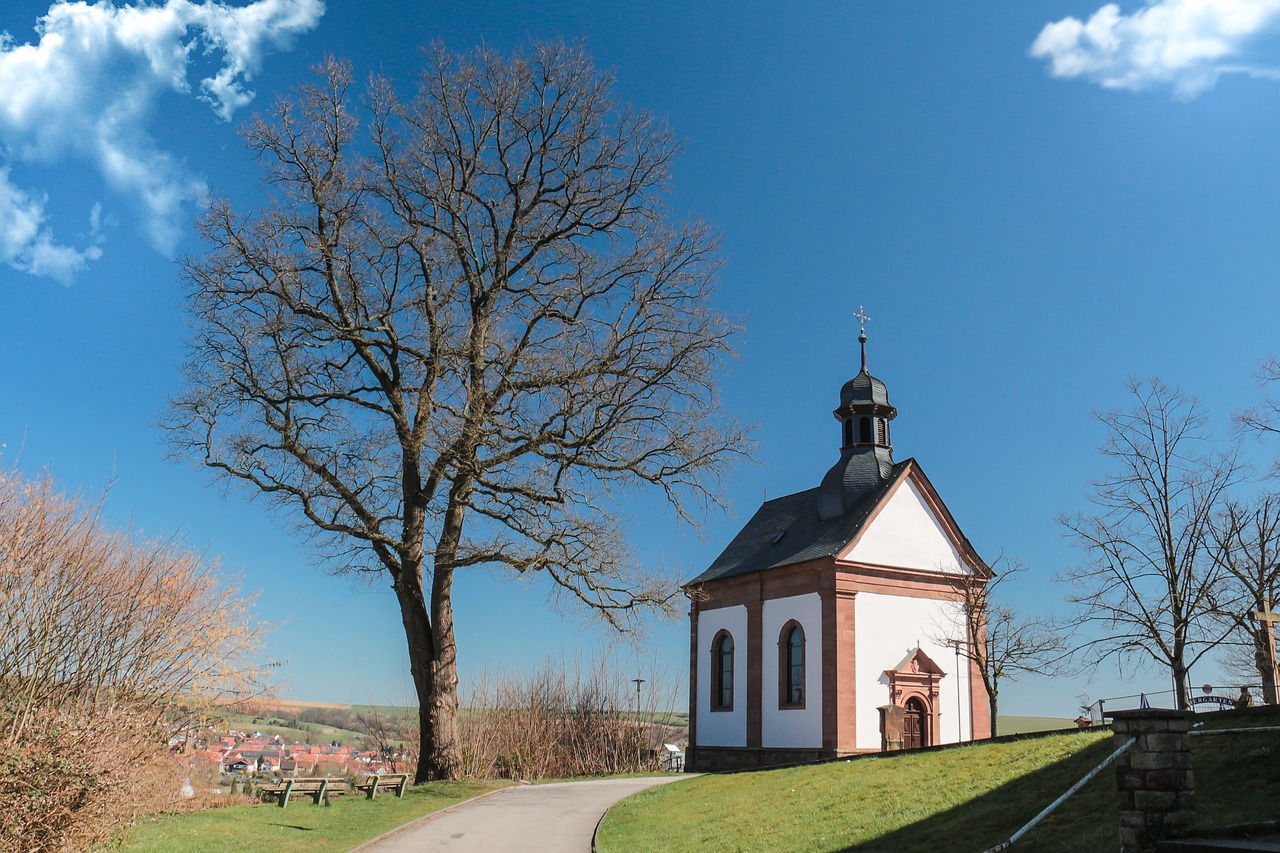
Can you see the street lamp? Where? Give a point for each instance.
(639, 733)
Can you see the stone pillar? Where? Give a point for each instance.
(691, 751)
(755, 664)
(1154, 782)
(890, 727)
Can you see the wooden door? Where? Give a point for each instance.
(913, 725)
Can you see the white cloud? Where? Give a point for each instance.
(26, 242)
(1183, 44)
(88, 89)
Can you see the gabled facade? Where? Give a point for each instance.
(821, 630)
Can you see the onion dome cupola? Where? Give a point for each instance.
(866, 454)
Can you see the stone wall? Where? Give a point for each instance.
(704, 759)
(1154, 782)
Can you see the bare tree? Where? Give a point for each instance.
(1001, 644)
(1246, 547)
(463, 330)
(388, 735)
(1264, 418)
(1146, 591)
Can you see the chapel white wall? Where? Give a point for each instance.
(906, 533)
(792, 727)
(722, 728)
(888, 626)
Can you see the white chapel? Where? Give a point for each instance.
(821, 629)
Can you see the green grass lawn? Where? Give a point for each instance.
(302, 826)
(964, 799)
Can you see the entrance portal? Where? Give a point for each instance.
(915, 729)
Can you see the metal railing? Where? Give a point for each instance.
(1005, 845)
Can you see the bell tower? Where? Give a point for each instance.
(866, 452)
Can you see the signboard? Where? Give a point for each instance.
(1217, 703)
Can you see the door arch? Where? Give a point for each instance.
(915, 724)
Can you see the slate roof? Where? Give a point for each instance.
(863, 388)
(805, 536)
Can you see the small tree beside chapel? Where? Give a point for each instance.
(464, 327)
(1001, 643)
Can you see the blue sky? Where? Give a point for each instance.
(1026, 231)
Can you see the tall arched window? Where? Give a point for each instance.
(722, 672)
(791, 666)
(882, 431)
(848, 431)
(864, 430)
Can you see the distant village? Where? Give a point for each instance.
(241, 753)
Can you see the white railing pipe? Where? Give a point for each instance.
(1005, 845)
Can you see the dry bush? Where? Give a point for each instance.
(108, 643)
(554, 723)
(394, 737)
(72, 779)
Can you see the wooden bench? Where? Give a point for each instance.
(319, 789)
(374, 783)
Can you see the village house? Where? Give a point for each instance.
(822, 629)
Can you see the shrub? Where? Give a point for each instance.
(109, 644)
(556, 724)
(71, 778)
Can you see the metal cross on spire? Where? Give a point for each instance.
(862, 317)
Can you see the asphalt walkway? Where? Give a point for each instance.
(560, 817)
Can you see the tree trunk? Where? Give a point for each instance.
(993, 702)
(438, 698)
(1180, 686)
(442, 757)
(422, 666)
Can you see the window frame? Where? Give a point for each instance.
(718, 673)
(786, 666)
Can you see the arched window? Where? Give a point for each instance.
(882, 431)
(791, 666)
(864, 431)
(722, 672)
(848, 431)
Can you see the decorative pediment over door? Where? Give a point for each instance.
(916, 677)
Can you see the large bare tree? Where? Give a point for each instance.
(1264, 418)
(1002, 644)
(1146, 592)
(463, 329)
(1246, 547)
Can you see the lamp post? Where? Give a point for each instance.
(639, 733)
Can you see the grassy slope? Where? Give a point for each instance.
(964, 799)
(1022, 725)
(302, 826)
(314, 733)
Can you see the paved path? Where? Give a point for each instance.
(556, 818)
